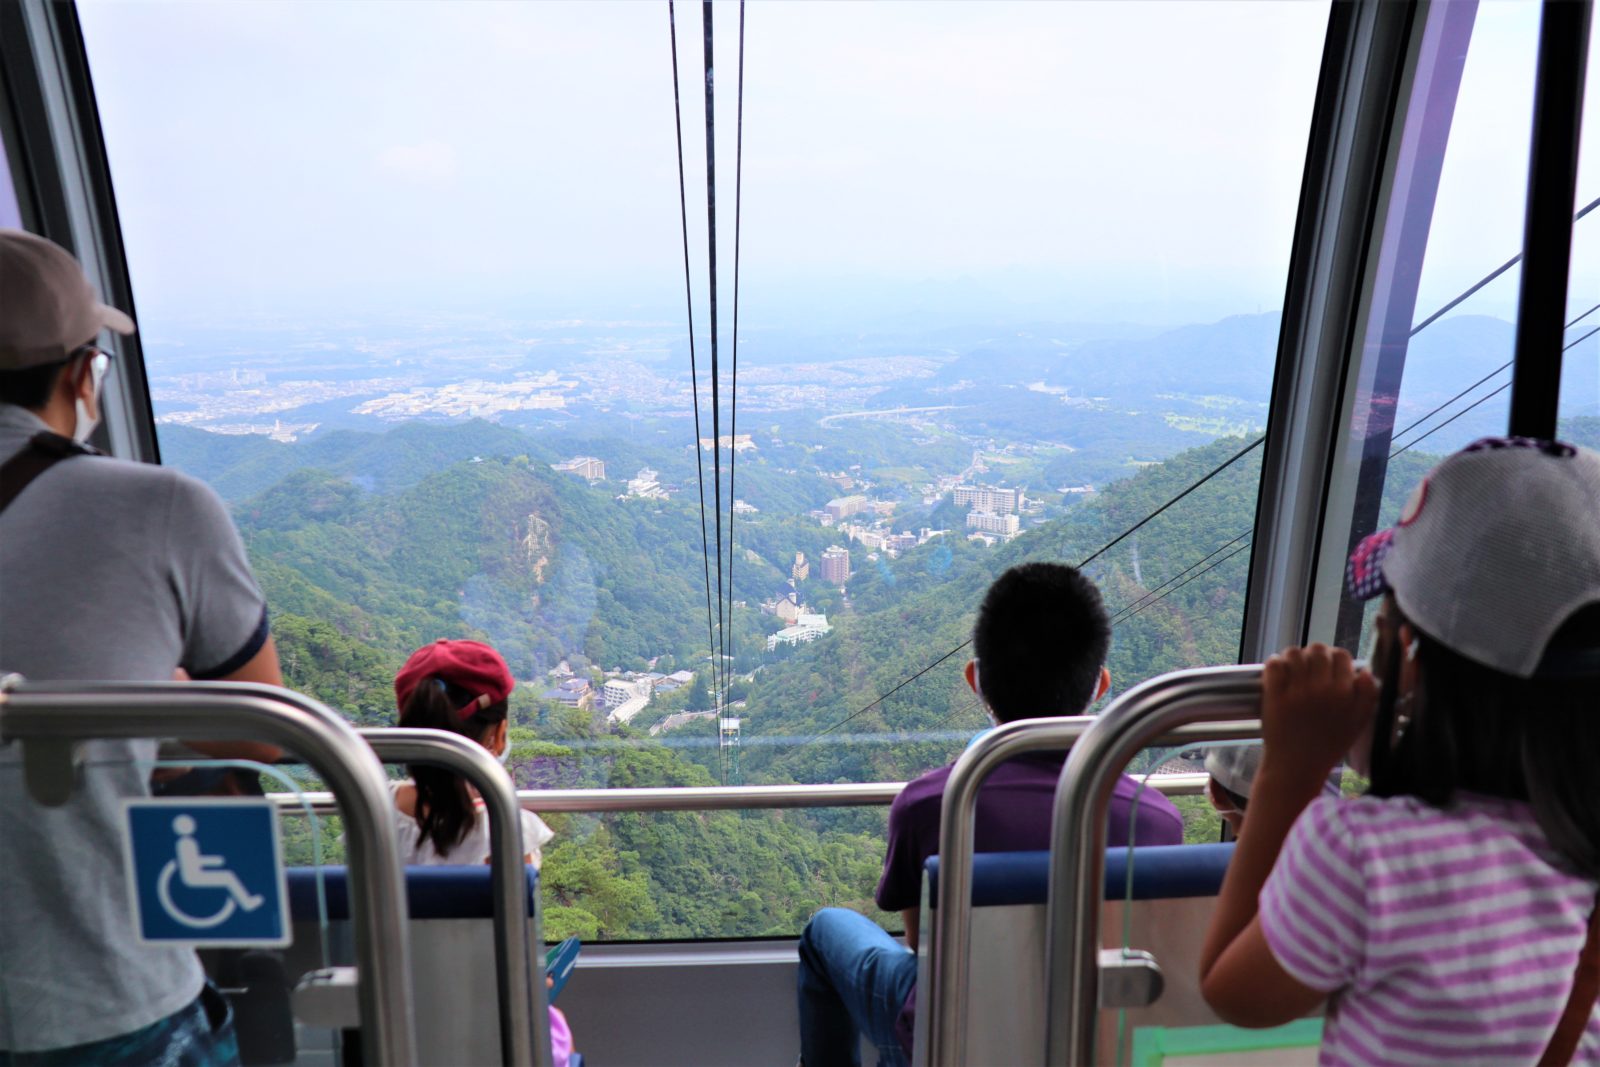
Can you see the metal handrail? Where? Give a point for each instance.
(947, 1029)
(524, 1020)
(1161, 707)
(712, 798)
(65, 713)
(957, 816)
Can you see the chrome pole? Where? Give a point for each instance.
(947, 1029)
(238, 711)
(1164, 706)
(524, 1023)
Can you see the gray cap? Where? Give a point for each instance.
(48, 309)
(1234, 767)
(1497, 547)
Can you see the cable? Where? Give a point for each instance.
(1145, 602)
(733, 397)
(1486, 377)
(1096, 554)
(1133, 609)
(1452, 418)
(1224, 465)
(1191, 578)
(1418, 440)
(694, 374)
(953, 716)
(720, 649)
(890, 693)
(1491, 276)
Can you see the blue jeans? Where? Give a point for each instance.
(854, 979)
(200, 1035)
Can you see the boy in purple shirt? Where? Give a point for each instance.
(1041, 639)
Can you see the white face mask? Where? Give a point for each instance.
(99, 363)
(504, 755)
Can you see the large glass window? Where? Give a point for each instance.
(1434, 371)
(411, 286)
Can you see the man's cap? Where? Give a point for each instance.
(470, 666)
(1496, 548)
(48, 309)
(1234, 767)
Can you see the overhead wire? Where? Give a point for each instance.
(1146, 602)
(1126, 613)
(694, 373)
(733, 396)
(1090, 558)
(719, 649)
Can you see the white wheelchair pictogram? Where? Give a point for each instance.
(199, 871)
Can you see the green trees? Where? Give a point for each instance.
(373, 554)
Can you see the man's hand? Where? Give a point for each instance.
(1314, 705)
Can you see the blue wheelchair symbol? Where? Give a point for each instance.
(206, 872)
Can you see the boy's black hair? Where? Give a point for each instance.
(1475, 729)
(30, 387)
(1041, 638)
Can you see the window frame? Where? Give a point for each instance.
(64, 190)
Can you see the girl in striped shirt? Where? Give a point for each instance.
(1442, 915)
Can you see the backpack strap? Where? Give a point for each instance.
(1585, 989)
(45, 450)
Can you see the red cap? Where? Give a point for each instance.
(469, 665)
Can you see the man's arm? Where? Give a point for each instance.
(913, 919)
(263, 668)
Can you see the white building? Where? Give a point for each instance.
(807, 628)
(627, 710)
(618, 692)
(645, 484)
(988, 498)
(1005, 526)
(586, 467)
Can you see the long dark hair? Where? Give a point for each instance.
(1476, 729)
(444, 810)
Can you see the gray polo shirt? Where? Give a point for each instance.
(110, 571)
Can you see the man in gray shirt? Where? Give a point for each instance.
(117, 571)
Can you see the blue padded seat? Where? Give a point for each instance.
(1160, 872)
(431, 892)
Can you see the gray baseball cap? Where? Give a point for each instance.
(1234, 767)
(1496, 548)
(48, 309)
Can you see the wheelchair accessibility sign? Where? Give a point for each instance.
(205, 872)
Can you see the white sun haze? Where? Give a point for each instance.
(1138, 160)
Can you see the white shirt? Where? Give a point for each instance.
(474, 848)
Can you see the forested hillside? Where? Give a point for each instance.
(368, 546)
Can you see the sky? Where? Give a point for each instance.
(1078, 161)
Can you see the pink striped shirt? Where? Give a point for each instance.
(1441, 935)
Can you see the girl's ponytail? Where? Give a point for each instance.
(444, 809)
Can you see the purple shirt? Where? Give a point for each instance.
(1014, 810)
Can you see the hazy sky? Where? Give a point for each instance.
(1080, 160)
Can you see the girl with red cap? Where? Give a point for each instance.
(462, 687)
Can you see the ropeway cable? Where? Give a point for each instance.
(1133, 609)
(1090, 558)
(1145, 602)
(1417, 422)
(720, 649)
(1418, 328)
(694, 374)
(733, 395)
